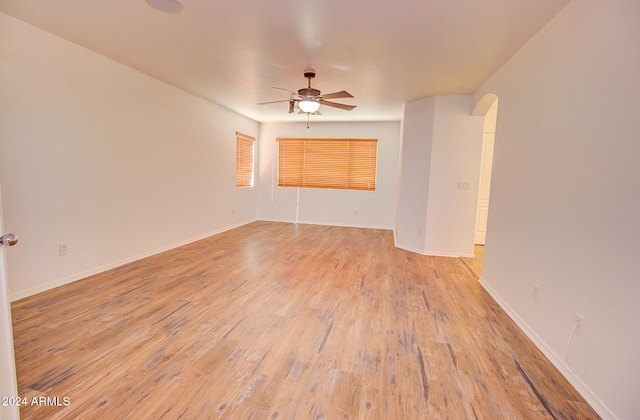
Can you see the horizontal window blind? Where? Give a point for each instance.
(327, 163)
(244, 160)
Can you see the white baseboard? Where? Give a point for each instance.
(408, 248)
(431, 253)
(311, 222)
(447, 254)
(79, 276)
(583, 389)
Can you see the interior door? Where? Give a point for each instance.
(8, 382)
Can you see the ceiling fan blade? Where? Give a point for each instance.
(291, 104)
(337, 95)
(337, 105)
(273, 102)
(287, 90)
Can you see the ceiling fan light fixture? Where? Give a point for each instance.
(309, 105)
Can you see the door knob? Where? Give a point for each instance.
(8, 240)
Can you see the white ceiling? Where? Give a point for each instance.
(232, 52)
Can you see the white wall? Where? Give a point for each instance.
(375, 209)
(442, 145)
(565, 196)
(455, 157)
(413, 189)
(104, 158)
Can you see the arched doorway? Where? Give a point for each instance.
(486, 163)
(487, 107)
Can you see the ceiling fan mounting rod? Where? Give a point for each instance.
(309, 92)
(310, 74)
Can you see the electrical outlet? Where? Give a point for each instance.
(578, 322)
(536, 293)
(355, 212)
(63, 249)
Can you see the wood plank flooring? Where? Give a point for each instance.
(475, 264)
(275, 320)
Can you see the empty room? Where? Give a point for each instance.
(319, 210)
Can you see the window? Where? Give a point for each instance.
(348, 164)
(244, 160)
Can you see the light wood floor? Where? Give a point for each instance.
(289, 321)
(475, 264)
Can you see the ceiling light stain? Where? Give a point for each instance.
(167, 6)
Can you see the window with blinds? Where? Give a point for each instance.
(348, 164)
(244, 160)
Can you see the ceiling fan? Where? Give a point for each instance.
(309, 99)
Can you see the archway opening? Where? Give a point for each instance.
(487, 107)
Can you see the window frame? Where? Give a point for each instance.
(245, 160)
